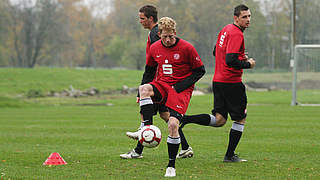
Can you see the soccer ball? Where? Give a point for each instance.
(150, 136)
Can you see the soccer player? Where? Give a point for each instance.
(229, 92)
(178, 68)
(148, 18)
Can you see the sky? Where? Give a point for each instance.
(100, 7)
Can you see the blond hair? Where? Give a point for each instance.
(167, 24)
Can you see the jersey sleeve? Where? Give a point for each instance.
(150, 60)
(153, 37)
(195, 59)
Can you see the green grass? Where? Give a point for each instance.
(20, 81)
(280, 141)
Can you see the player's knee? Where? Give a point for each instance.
(220, 120)
(145, 90)
(242, 121)
(220, 123)
(173, 126)
(165, 116)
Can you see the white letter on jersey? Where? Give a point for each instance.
(222, 39)
(167, 68)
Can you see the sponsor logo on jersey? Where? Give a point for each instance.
(176, 56)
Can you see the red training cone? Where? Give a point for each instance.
(55, 159)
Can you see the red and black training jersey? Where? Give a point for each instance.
(174, 63)
(152, 37)
(230, 40)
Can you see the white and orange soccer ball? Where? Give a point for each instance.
(150, 136)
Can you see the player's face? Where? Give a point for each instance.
(144, 21)
(244, 19)
(168, 38)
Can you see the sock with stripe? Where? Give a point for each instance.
(173, 147)
(234, 138)
(146, 109)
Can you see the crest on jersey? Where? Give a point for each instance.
(198, 58)
(176, 56)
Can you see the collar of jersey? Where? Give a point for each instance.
(177, 40)
(239, 27)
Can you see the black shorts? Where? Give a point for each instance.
(230, 98)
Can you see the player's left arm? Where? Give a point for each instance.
(197, 73)
(232, 60)
(234, 44)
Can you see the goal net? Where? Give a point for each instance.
(306, 75)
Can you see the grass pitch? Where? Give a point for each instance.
(279, 141)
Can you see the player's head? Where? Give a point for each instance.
(148, 16)
(167, 31)
(242, 16)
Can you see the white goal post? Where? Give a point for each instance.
(302, 63)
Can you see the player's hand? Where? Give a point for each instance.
(137, 100)
(246, 55)
(252, 62)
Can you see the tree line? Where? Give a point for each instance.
(107, 34)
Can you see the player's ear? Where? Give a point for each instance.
(159, 34)
(235, 18)
(151, 18)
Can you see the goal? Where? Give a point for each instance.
(306, 75)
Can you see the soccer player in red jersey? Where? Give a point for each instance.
(148, 18)
(178, 68)
(229, 92)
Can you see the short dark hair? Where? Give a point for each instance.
(148, 11)
(239, 8)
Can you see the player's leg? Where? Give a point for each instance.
(146, 103)
(186, 150)
(173, 142)
(237, 103)
(146, 110)
(135, 135)
(215, 119)
(156, 107)
(200, 119)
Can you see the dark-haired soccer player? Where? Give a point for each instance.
(148, 18)
(229, 92)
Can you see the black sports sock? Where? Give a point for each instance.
(234, 138)
(184, 143)
(201, 119)
(146, 109)
(173, 147)
(139, 148)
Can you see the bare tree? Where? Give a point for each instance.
(30, 24)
